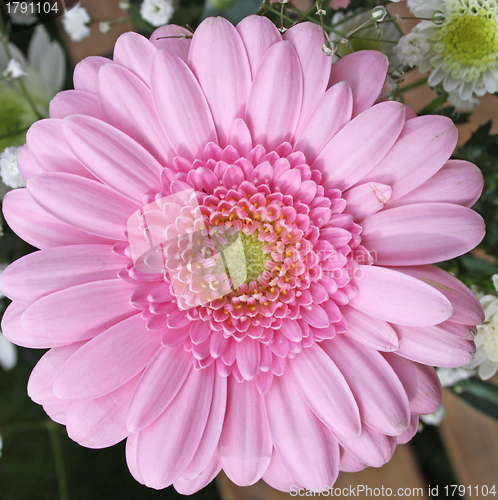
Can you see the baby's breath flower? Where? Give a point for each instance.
(412, 48)
(75, 22)
(104, 27)
(9, 170)
(157, 12)
(14, 70)
(434, 418)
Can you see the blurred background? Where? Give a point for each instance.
(38, 461)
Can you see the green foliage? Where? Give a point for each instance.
(482, 395)
(482, 149)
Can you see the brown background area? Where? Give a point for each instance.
(471, 439)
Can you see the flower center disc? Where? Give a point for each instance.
(468, 39)
(244, 258)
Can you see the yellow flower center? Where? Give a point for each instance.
(468, 38)
(243, 257)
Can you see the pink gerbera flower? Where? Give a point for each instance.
(285, 321)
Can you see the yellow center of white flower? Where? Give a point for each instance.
(468, 38)
(490, 332)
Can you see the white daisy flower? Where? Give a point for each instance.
(464, 104)
(9, 171)
(157, 12)
(463, 37)
(75, 22)
(486, 357)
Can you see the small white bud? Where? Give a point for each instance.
(438, 18)
(14, 70)
(398, 76)
(329, 48)
(104, 27)
(379, 13)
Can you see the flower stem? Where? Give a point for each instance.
(413, 85)
(58, 459)
(434, 104)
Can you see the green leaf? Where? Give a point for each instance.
(482, 395)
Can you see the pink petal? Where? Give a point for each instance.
(82, 203)
(248, 357)
(290, 329)
(434, 346)
(370, 331)
(169, 38)
(86, 71)
(127, 104)
(13, 330)
(58, 413)
(371, 447)
(467, 309)
(366, 199)
(421, 383)
(422, 148)
(312, 455)
(41, 273)
(79, 312)
(101, 422)
(74, 102)
(277, 476)
(112, 156)
(379, 394)
(211, 437)
(258, 34)
(342, 163)
(366, 72)
(181, 106)
(331, 114)
(135, 52)
(108, 361)
(349, 463)
(186, 487)
(28, 167)
(131, 457)
(167, 446)
(458, 182)
(245, 443)
(158, 386)
(395, 297)
(51, 151)
(240, 137)
(325, 390)
(307, 39)
(274, 103)
(411, 431)
(42, 378)
(219, 61)
(34, 225)
(422, 234)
